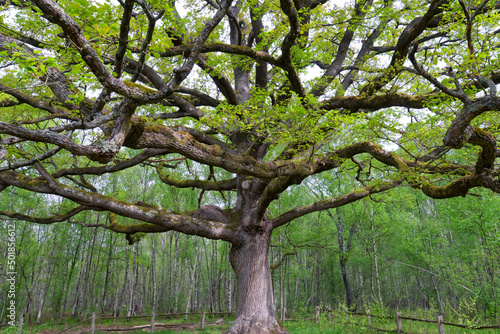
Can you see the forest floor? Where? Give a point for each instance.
(333, 324)
(160, 328)
(295, 327)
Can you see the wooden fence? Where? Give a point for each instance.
(440, 323)
(152, 326)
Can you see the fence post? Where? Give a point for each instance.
(440, 324)
(368, 317)
(152, 322)
(92, 324)
(202, 320)
(398, 322)
(20, 328)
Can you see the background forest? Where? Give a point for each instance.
(400, 250)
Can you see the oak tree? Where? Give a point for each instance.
(257, 96)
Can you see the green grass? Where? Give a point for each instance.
(211, 330)
(309, 327)
(355, 325)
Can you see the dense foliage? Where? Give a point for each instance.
(226, 112)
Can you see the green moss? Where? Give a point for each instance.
(141, 87)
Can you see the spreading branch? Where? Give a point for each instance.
(192, 223)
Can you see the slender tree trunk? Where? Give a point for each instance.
(375, 255)
(210, 279)
(375, 260)
(344, 256)
(153, 271)
(125, 283)
(255, 309)
(117, 290)
(106, 276)
(193, 273)
(176, 275)
(87, 284)
(163, 291)
(230, 292)
(197, 284)
(96, 270)
(215, 281)
(285, 290)
(67, 282)
(133, 283)
(47, 280)
(361, 288)
(282, 287)
(77, 301)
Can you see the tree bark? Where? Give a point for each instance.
(133, 284)
(375, 256)
(375, 260)
(69, 274)
(255, 308)
(344, 257)
(229, 292)
(47, 280)
(191, 287)
(107, 274)
(153, 272)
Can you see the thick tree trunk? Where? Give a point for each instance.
(255, 309)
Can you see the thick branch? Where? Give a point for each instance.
(334, 202)
(184, 143)
(128, 6)
(199, 184)
(286, 56)
(459, 93)
(409, 34)
(186, 49)
(182, 72)
(141, 157)
(459, 187)
(100, 152)
(35, 103)
(56, 14)
(377, 102)
(288, 8)
(185, 223)
(361, 57)
(336, 65)
(147, 40)
(32, 161)
(460, 131)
